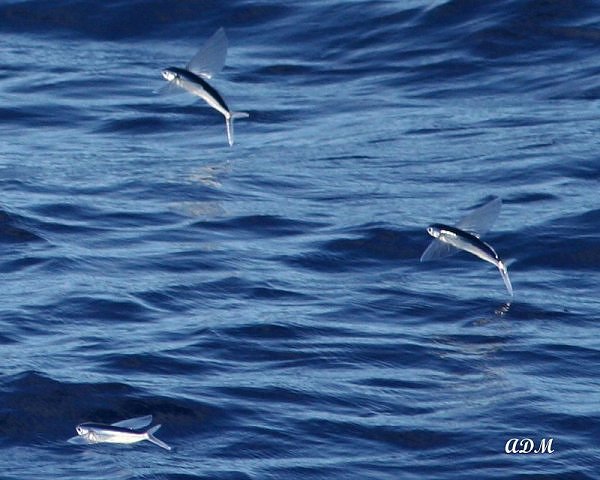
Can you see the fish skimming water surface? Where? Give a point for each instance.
(207, 62)
(125, 431)
(465, 235)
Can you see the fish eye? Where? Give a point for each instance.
(433, 231)
(168, 75)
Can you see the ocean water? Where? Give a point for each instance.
(265, 302)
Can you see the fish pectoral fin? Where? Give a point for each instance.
(170, 88)
(480, 220)
(136, 423)
(438, 249)
(210, 59)
(78, 440)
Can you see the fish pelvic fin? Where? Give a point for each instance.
(229, 123)
(154, 440)
(504, 273)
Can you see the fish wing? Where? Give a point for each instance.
(136, 423)
(170, 88)
(210, 59)
(78, 440)
(479, 221)
(438, 249)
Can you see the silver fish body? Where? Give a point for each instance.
(449, 239)
(196, 85)
(464, 241)
(125, 432)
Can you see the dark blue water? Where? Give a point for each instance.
(266, 302)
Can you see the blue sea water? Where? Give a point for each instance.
(265, 302)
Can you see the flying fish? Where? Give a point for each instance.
(204, 65)
(465, 235)
(126, 431)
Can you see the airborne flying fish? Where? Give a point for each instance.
(125, 431)
(465, 235)
(205, 64)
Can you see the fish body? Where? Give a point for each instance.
(449, 239)
(125, 432)
(196, 85)
(208, 61)
(462, 240)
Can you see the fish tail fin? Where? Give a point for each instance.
(229, 123)
(154, 440)
(504, 273)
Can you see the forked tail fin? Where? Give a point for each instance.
(504, 273)
(155, 440)
(229, 123)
